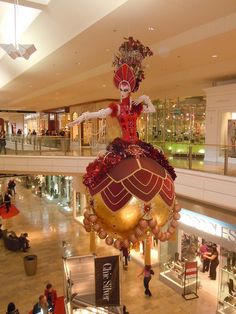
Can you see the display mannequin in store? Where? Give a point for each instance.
(214, 261)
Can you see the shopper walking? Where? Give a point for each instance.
(1, 199)
(147, 273)
(51, 295)
(3, 142)
(12, 187)
(7, 200)
(42, 307)
(214, 259)
(125, 253)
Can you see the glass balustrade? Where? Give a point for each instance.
(217, 159)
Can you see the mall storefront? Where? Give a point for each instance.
(195, 228)
(54, 188)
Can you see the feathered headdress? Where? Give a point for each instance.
(131, 53)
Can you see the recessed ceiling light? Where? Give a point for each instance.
(214, 56)
(104, 85)
(150, 28)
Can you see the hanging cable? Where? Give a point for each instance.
(16, 6)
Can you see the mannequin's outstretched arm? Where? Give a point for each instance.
(148, 106)
(103, 113)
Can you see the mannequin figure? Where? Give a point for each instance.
(127, 111)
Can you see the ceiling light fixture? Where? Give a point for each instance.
(17, 50)
(214, 56)
(150, 28)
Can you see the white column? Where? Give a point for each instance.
(78, 186)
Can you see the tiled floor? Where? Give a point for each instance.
(47, 227)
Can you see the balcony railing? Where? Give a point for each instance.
(218, 159)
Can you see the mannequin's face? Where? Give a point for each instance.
(125, 90)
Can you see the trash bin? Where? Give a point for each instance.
(30, 264)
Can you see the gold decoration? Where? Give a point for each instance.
(122, 223)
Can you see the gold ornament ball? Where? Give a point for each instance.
(122, 223)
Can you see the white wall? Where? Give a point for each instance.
(206, 187)
(220, 103)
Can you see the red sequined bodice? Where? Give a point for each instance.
(127, 120)
(127, 117)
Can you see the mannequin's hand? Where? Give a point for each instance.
(80, 119)
(145, 99)
(148, 105)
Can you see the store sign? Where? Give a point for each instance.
(208, 225)
(107, 281)
(190, 270)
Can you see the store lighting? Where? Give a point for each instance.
(17, 50)
(201, 151)
(214, 56)
(234, 115)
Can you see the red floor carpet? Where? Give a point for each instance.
(13, 211)
(59, 306)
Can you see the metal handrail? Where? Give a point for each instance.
(189, 156)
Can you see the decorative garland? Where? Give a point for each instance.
(145, 225)
(117, 151)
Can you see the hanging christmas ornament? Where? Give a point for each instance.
(132, 185)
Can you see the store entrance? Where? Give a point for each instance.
(207, 255)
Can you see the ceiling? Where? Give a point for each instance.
(76, 41)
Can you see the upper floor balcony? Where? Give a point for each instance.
(206, 173)
(217, 159)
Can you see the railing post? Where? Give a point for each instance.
(40, 146)
(22, 142)
(226, 160)
(64, 140)
(16, 146)
(190, 157)
(34, 142)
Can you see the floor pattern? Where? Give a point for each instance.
(47, 228)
